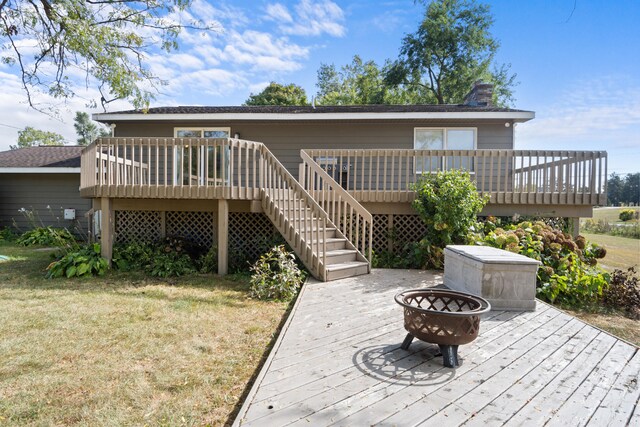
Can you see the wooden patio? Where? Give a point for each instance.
(338, 362)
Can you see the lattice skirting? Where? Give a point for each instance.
(392, 232)
(250, 235)
(151, 226)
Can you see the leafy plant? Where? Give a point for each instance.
(626, 214)
(624, 292)
(604, 227)
(46, 236)
(132, 256)
(85, 261)
(448, 203)
(168, 264)
(7, 234)
(209, 261)
(276, 275)
(569, 273)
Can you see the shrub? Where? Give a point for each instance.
(7, 234)
(209, 261)
(46, 236)
(168, 264)
(448, 203)
(85, 261)
(626, 214)
(569, 273)
(132, 256)
(276, 275)
(604, 227)
(624, 292)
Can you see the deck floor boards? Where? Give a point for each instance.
(339, 362)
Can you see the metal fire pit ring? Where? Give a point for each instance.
(443, 317)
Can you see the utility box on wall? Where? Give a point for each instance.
(69, 214)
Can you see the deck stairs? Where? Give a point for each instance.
(307, 227)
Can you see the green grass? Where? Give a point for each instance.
(125, 349)
(610, 214)
(622, 252)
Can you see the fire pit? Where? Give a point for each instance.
(443, 317)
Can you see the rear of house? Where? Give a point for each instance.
(320, 177)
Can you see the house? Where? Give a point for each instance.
(334, 181)
(45, 180)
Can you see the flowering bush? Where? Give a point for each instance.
(276, 275)
(569, 272)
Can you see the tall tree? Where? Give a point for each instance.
(452, 48)
(631, 189)
(86, 129)
(614, 189)
(106, 40)
(30, 137)
(277, 94)
(359, 83)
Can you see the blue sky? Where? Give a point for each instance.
(578, 63)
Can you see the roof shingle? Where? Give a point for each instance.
(45, 156)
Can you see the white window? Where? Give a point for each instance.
(444, 139)
(212, 165)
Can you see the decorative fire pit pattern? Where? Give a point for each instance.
(443, 317)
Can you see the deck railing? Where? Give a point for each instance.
(171, 168)
(353, 220)
(506, 176)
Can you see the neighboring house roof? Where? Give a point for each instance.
(341, 112)
(45, 159)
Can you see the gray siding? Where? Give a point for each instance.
(285, 139)
(37, 191)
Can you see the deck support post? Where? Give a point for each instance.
(223, 236)
(106, 228)
(575, 226)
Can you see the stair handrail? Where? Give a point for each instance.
(308, 234)
(339, 204)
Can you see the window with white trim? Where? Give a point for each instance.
(207, 162)
(444, 139)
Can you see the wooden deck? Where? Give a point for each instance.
(338, 362)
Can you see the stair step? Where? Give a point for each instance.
(346, 269)
(332, 243)
(339, 256)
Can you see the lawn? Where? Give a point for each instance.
(125, 349)
(622, 252)
(610, 214)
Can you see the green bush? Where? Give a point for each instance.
(84, 261)
(132, 256)
(569, 273)
(209, 261)
(448, 203)
(46, 236)
(623, 292)
(169, 264)
(626, 214)
(276, 275)
(7, 234)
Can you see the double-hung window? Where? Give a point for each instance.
(197, 165)
(444, 139)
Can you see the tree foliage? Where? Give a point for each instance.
(452, 48)
(30, 137)
(86, 129)
(277, 94)
(105, 41)
(359, 83)
(623, 190)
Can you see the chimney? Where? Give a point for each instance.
(480, 95)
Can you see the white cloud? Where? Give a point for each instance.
(591, 110)
(279, 13)
(311, 18)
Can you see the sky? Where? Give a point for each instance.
(577, 64)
